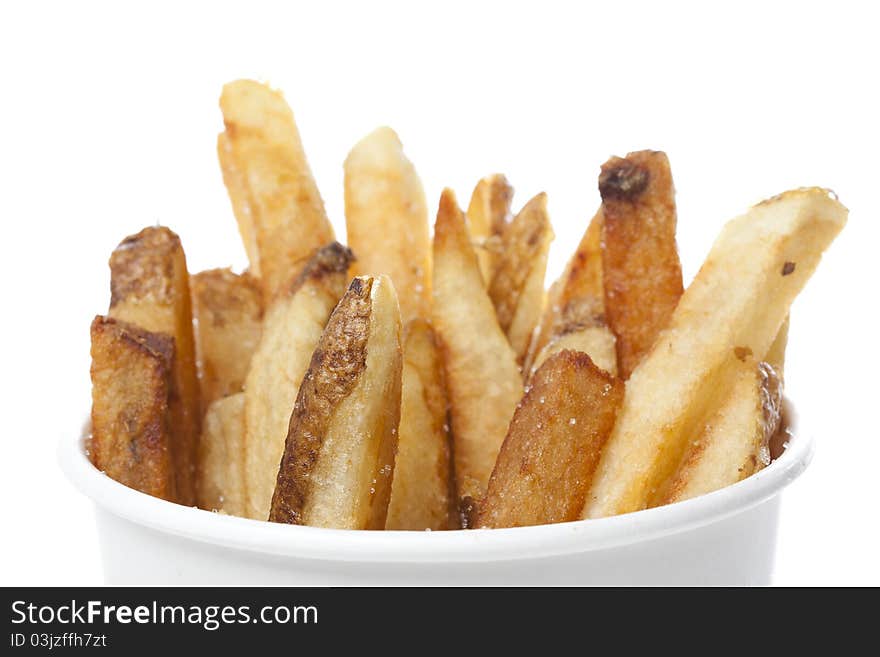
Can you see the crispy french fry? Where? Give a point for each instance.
(132, 380)
(291, 328)
(735, 442)
(387, 219)
(483, 380)
(641, 269)
(422, 491)
(277, 205)
(557, 434)
(221, 451)
(734, 306)
(338, 461)
(150, 288)
(595, 341)
(228, 313)
(488, 214)
(517, 286)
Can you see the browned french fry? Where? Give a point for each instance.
(291, 330)
(483, 380)
(422, 495)
(276, 202)
(517, 286)
(734, 306)
(338, 461)
(150, 288)
(387, 219)
(221, 451)
(557, 434)
(228, 313)
(641, 269)
(132, 380)
(488, 214)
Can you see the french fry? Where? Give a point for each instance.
(277, 205)
(132, 380)
(149, 287)
(574, 315)
(547, 461)
(517, 285)
(641, 269)
(735, 305)
(221, 487)
(291, 329)
(338, 461)
(228, 313)
(735, 441)
(595, 341)
(422, 491)
(482, 376)
(387, 219)
(488, 214)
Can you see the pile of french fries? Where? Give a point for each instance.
(411, 382)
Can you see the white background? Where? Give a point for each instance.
(108, 120)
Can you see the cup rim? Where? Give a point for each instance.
(473, 545)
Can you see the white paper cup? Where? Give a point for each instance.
(726, 537)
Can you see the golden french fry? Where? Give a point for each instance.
(488, 214)
(641, 269)
(228, 313)
(735, 442)
(291, 328)
(422, 495)
(595, 341)
(483, 379)
(735, 305)
(574, 315)
(149, 287)
(221, 452)
(557, 434)
(132, 380)
(338, 461)
(387, 219)
(277, 205)
(517, 286)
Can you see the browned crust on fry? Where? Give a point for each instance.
(641, 269)
(333, 372)
(488, 215)
(131, 384)
(334, 258)
(548, 458)
(149, 286)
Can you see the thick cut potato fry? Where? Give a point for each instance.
(482, 376)
(574, 315)
(555, 439)
(488, 214)
(595, 341)
(228, 313)
(291, 330)
(735, 305)
(149, 287)
(338, 461)
(735, 441)
(641, 269)
(221, 486)
(421, 493)
(517, 286)
(132, 380)
(387, 219)
(277, 205)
